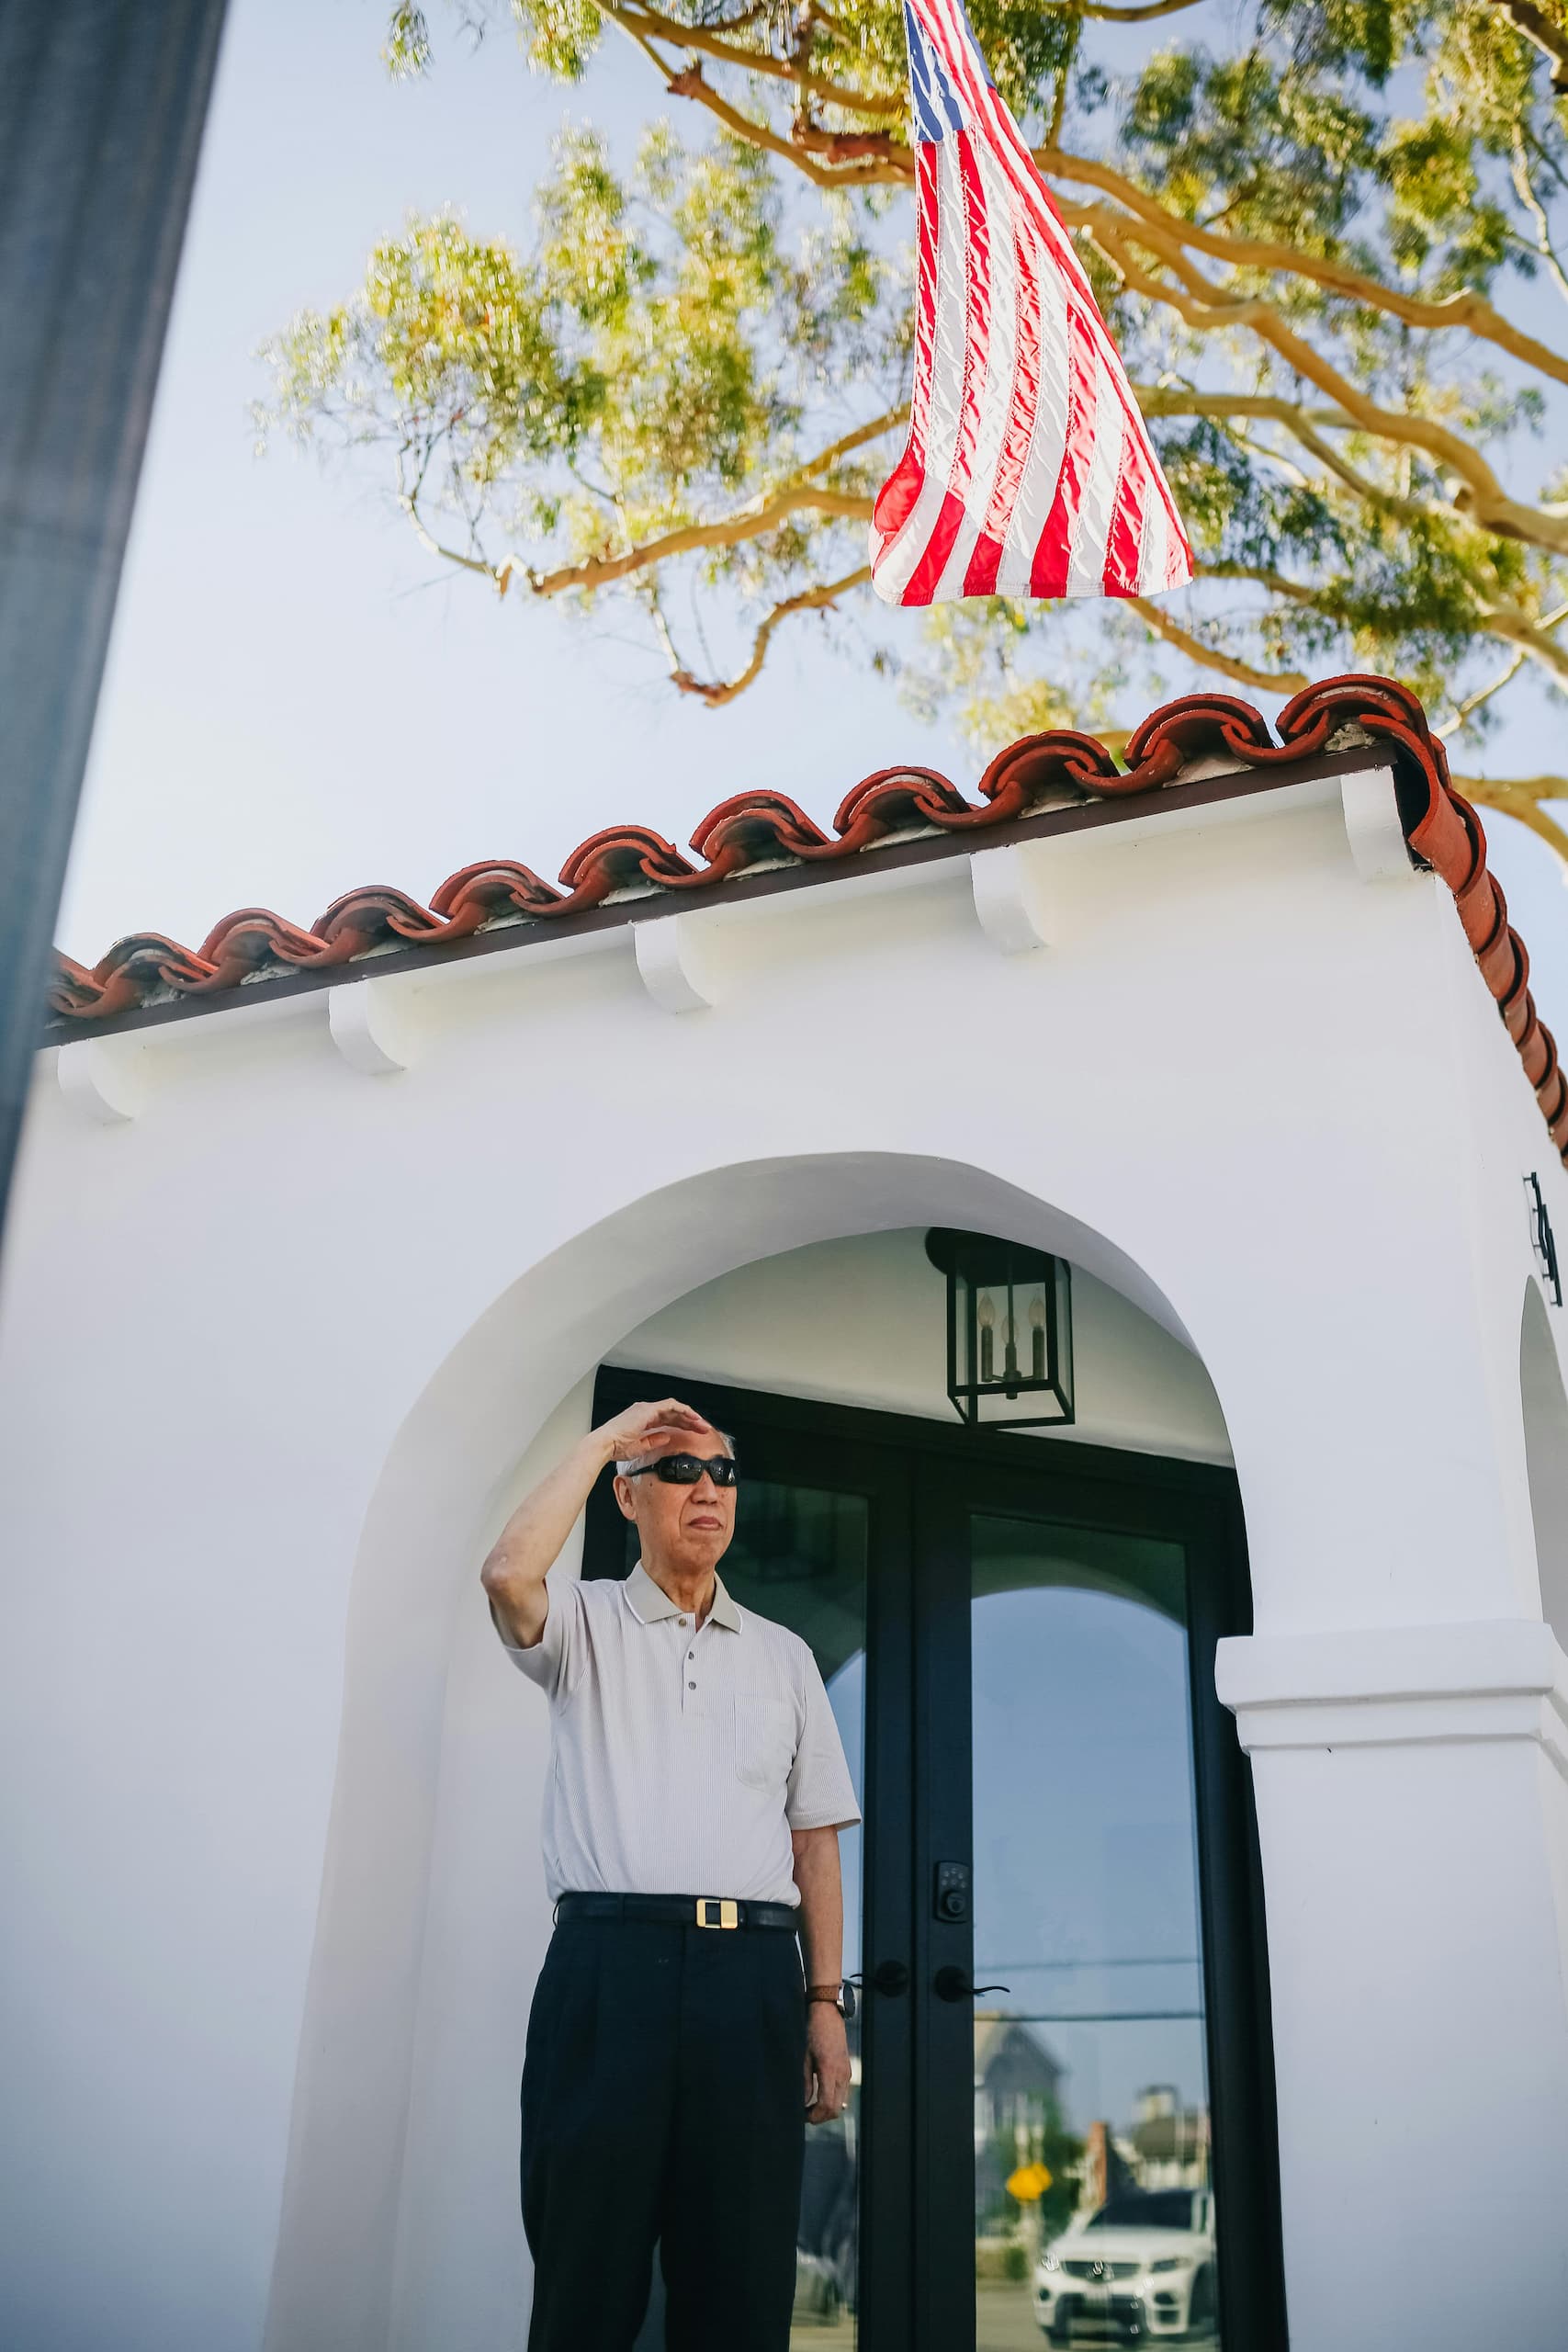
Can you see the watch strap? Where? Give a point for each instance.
(833, 1992)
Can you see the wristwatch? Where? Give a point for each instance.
(842, 1996)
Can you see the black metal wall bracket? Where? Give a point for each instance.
(1542, 1239)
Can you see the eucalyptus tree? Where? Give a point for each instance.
(1328, 235)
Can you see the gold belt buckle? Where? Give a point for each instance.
(728, 1912)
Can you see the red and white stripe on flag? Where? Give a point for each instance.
(1029, 470)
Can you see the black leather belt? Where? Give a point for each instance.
(679, 1910)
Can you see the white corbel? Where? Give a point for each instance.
(1373, 826)
(674, 965)
(1008, 902)
(369, 1026)
(103, 1078)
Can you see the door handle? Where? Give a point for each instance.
(951, 1984)
(891, 1977)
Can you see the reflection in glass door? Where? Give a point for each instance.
(1093, 2200)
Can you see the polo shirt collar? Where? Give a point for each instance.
(649, 1602)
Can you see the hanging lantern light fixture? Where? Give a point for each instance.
(1010, 1330)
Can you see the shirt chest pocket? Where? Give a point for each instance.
(764, 1740)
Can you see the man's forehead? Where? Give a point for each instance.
(707, 1439)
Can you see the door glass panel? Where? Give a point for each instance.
(799, 1557)
(1093, 2212)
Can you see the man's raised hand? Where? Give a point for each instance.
(529, 1544)
(644, 1430)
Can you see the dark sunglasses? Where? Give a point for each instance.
(685, 1469)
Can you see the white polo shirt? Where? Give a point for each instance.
(680, 1757)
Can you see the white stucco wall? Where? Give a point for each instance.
(273, 1352)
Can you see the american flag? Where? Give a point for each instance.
(1029, 470)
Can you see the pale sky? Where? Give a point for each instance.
(297, 700)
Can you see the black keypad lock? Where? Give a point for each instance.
(951, 1900)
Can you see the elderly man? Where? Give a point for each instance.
(697, 1787)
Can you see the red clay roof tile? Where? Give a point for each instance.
(755, 829)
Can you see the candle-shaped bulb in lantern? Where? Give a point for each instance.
(1037, 1335)
(988, 1321)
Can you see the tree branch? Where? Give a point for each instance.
(1139, 16)
(1523, 188)
(1453, 722)
(690, 84)
(809, 600)
(1272, 682)
(1538, 29)
(407, 500)
(1166, 228)
(1533, 640)
(753, 521)
(1296, 421)
(706, 43)
(894, 161)
(1205, 307)
(1186, 399)
(856, 439)
(1276, 582)
(1064, 77)
(1520, 800)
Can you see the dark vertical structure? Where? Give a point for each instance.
(102, 104)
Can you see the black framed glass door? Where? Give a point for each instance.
(1060, 2128)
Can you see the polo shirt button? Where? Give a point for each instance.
(680, 1621)
(690, 1686)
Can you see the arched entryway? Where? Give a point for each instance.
(399, 2226)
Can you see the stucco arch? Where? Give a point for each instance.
(1545, 1410)
(426, 1523)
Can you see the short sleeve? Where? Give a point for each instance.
(821, 1794)
(553, 1660)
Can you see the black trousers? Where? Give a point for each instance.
(663, 2102)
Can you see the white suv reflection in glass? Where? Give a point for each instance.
(1142, 2266)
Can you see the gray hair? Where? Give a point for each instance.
(637, 1461)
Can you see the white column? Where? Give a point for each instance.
(1413, 1813)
